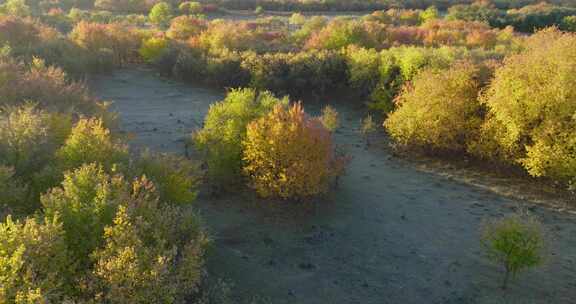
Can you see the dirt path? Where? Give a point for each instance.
(389, 234)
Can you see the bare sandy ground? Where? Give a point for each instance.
(390, 234)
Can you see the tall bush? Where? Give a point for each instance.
(35, 265)
(531, 102)
(90, 141)
(289, 155)
(439, 109)
(220, 141)
(86, 203)
(152, 253)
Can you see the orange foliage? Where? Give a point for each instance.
(289, 154)
(121, 40)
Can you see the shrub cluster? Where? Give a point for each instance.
(255, 135)
(220, 141)
(92, 224)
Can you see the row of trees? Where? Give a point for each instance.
(525, 19)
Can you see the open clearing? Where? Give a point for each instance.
(389, 234)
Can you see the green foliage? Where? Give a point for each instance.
(259, 10)
(531, 104)
(289, 155)
(91, 142)
(176, 178)
(341, 33)
(16, 8)
(184, 27)
(439, 110)
(160, 14)
(191, 8)
(330, 119)
(13, 194)
(297, 19)
(367, 127)
(363, 68)
(24, 139)
(153, 48)
(34, 263)
(308, 28)
(515, 242)
(86, 203)
(152, 253)
(220, 141)
(569, 23)
(430, 13)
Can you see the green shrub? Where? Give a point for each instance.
(531, 104)
(367, 127)
(176, 178)
(330, 119)
(153, 48)
(429, 14)
(569, 23)
(86, 203)
(289, 155)
(514, 242)
(24, 139)
(184, 27)
(438, 110)
(152, 253)
(13, 194)
(17, 8)
(35, 266)
(191, 8)
(91, 142)
(160, 14)
(220, 141)
(363, 68)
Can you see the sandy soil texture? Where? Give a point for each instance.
(389, 234)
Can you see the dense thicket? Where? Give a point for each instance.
(83, 221)
(531, 104)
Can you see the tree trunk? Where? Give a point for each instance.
(506, 279)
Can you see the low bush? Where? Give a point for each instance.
(86, 203)
(153, 49)
(289, 155)
(330, 119)
(152, 253)
(13, 194)
(160, 14)
(176, 178)
(35, 265)
(121, 40)
(91, 142)
(191, 8)
(185, 27)
(438, 110)
(515, 242)
(220, 141)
